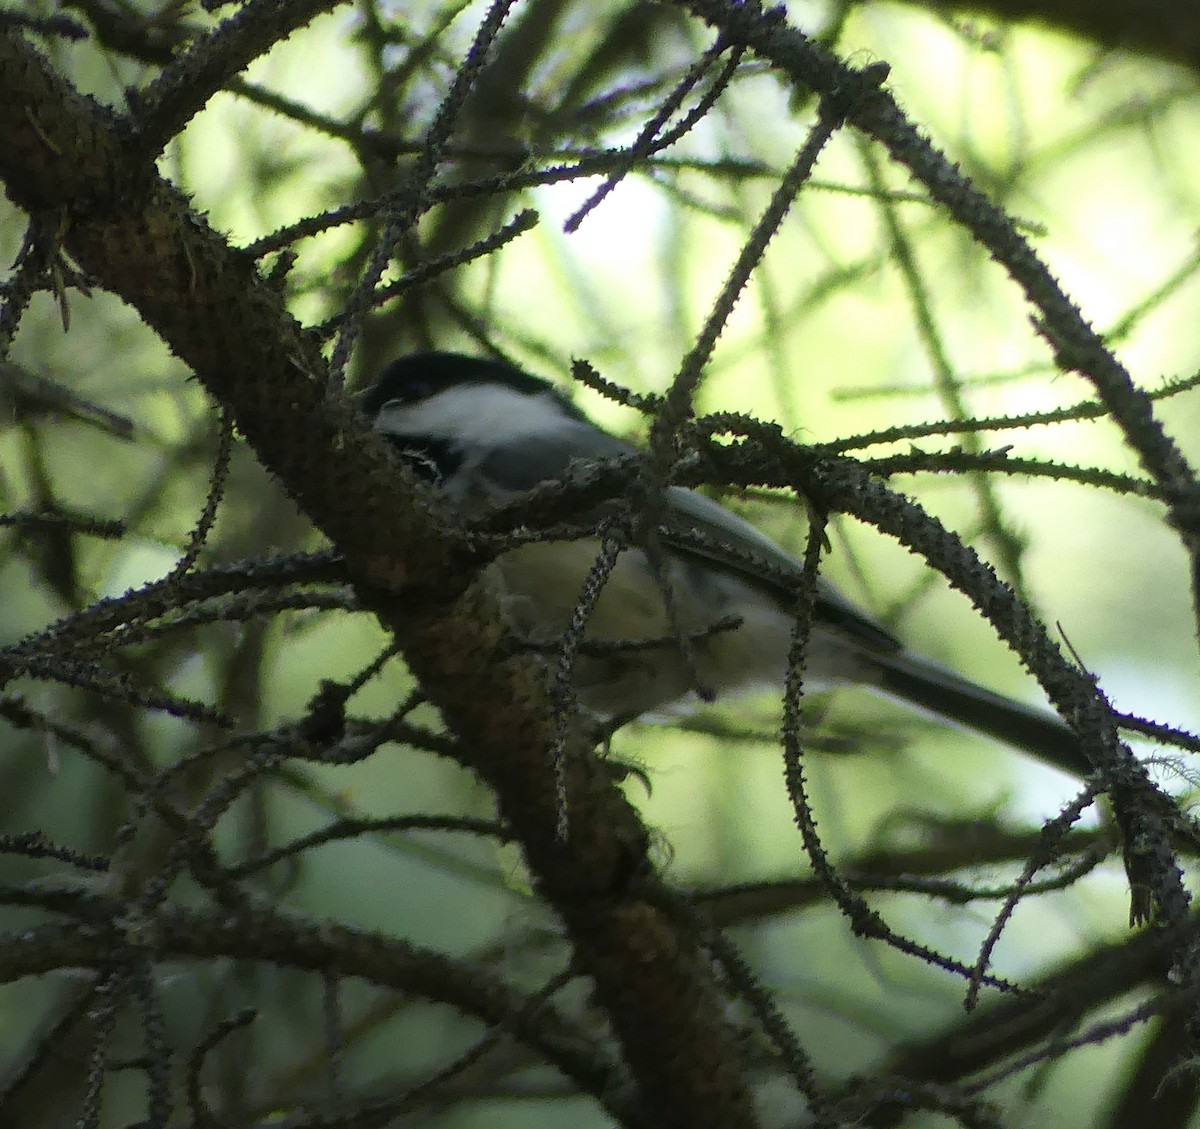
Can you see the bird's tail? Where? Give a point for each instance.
(928, 686)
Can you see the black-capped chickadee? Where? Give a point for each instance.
(485, 433)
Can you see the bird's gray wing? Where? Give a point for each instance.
(703, 529)
(695, 527)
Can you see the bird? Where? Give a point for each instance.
(704, 612)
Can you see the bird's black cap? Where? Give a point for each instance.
(418, 376)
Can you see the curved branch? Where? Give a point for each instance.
(261, 936)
